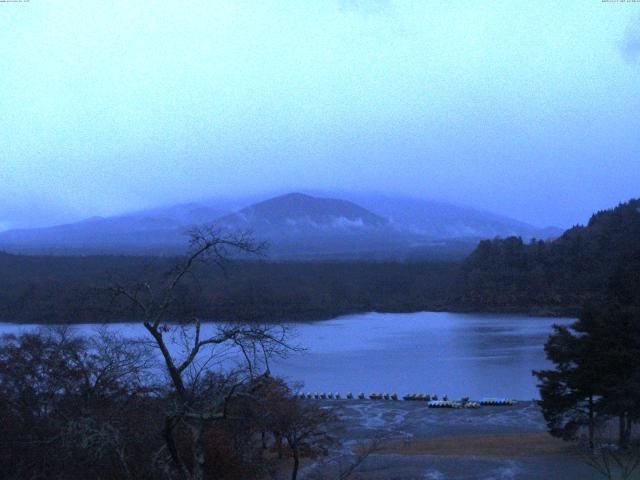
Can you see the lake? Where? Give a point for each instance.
(476, 355)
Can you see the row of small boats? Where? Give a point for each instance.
(431, 399)
(383, 396)
(497, 402)
(452, 404)
(422, 397)
(329, 396)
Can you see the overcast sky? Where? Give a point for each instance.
(528, 109)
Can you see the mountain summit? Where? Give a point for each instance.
(299, 211)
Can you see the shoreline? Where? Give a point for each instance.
(496, 445)
(534, 313)
(491, 442)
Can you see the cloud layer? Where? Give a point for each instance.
(630, 45)
(526, 109)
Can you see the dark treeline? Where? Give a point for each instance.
(62, 289)
(558, 276)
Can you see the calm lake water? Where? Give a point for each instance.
(474, 355)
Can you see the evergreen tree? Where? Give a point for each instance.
(613, 337)
(568, 393)
(596, 374)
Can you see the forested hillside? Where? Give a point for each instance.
(557, 276)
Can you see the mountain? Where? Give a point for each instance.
(156, 231)
(299, 212)
(436, 219)
(300, 225)
(296, 226)
(585, 264)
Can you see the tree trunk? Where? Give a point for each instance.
(279, 445)
(591, 423)
(622, 431)
(296, 463)
(173, 450)
(198, 450)
(263, 438)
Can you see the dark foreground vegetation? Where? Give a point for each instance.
(99, 407)
(166, 406)
(597, 374)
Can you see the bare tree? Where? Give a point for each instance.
(343, 465)
(73, 400)
(200, 398)
(304, 428)
(614, 463)
(302, 424)
(364, 451)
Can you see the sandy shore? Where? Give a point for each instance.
(416, 442)
(509, 445)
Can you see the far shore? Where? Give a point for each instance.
(535, 312)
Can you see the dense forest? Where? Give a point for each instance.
(557, 276)
(77, 289)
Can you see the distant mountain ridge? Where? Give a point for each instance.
(438, 219)
(295, 225)
(155, 231)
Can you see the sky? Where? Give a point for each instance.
(526, 109)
